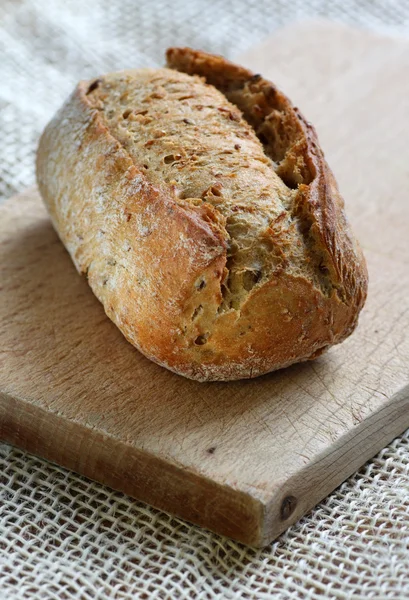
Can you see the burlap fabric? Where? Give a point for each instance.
(64, 537)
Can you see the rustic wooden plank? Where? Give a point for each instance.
(245, 459)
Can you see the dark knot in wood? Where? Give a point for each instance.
(287, 507)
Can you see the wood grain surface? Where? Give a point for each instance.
(245, 459)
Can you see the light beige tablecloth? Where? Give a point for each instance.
(64, 537)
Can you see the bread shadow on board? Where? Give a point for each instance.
(61, 330)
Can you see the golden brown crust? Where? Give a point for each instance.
(91, 188)
(158, 262)
(291, 141)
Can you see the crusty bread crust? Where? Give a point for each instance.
(160, 263)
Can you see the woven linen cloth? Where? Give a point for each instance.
(65, 537)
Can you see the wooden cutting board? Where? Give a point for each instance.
(245, 459)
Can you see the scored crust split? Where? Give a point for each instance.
(199, 204)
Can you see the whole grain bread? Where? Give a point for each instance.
(198, 202)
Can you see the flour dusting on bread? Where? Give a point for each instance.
(197, 200)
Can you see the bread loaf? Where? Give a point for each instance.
(198, 203)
